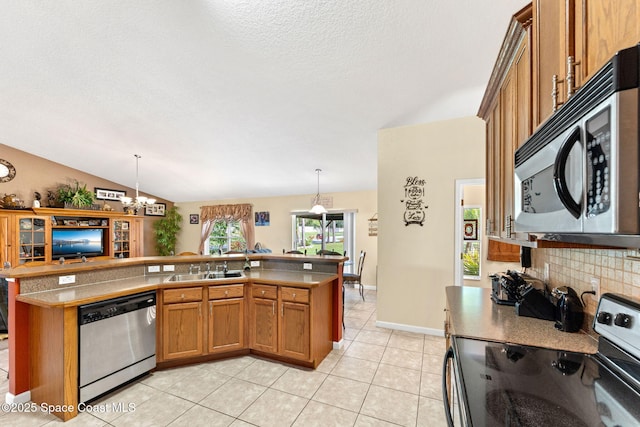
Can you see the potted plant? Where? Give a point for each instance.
(166, 230)
(74, 196)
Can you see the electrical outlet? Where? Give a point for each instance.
(154, 269)
(67, 280)
(169, 267)
(255, 263)
(595, 286)
(546, 272)
(307, 266)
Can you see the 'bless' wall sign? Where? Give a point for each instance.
(414, 201)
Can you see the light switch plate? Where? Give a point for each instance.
(255, 263)
(154, 269)
(66, 280)
(170, 267)
(307, 266)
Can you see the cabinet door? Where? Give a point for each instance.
(295, 331)
(508, 113)
(264, 325)
(226, 325)
(603, 27)
(493, 173)
(552, 44)
(182, 330)
(34, 235)
(4, 242)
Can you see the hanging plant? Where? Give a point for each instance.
(166, 231)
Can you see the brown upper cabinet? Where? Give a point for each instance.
(506, 107)
(574, 39)
(570, 40)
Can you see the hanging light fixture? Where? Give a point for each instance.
(317, 207)
(133, 205)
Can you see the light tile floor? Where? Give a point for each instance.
(381, 377)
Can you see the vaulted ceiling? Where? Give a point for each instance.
(237, 98)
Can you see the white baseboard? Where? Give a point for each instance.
(338, 345)
(411, 328)
(20, 398)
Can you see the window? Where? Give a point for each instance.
(471, 244)
(335, 232)
(225, 236)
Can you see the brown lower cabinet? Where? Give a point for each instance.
(283, 322)
(182, 323)
(226, 318)
(291, 323)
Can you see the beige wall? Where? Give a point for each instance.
(35, 173)
(277, 236)
(416, 263)
(474, 195)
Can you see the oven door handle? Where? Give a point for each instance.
(559, 177)
(445, 392)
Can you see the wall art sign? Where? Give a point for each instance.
(194, 219)
(262, 218)
(106, 194)
(414, 203)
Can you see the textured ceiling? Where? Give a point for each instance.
(237, 98)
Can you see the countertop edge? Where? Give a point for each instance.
(140, 284)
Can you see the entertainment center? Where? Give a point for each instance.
(40, 236)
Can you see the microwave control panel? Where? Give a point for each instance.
(598, 152)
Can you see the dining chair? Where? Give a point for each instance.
(355, 278)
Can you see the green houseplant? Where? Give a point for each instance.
(166, 230)
(74, 195)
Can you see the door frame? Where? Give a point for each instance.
(459, 209)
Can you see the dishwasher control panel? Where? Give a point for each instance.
(114, 307)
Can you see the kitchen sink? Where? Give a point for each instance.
(204, 276)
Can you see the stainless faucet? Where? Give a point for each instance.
(225, 267)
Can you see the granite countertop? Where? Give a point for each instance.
(72, 296)
(473, 314)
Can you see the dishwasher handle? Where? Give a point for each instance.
(445, 392)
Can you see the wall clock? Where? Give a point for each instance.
(7, 171)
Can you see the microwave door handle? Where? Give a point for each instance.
(559, 177)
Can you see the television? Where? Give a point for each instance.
(77, 242)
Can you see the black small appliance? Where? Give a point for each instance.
(569, 310)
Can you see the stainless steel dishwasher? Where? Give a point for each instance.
(117, 342)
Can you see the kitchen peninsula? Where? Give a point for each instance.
(285, 307)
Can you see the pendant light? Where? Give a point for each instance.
(317, 208)
(132, 206)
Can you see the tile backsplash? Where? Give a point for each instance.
(617, 269)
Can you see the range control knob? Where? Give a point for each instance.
(623, 320)
(604, 317)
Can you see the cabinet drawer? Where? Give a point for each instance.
(226, 291)
(295, 294)
(182, 295)
(264, 291)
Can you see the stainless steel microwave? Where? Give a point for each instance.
(579, 171)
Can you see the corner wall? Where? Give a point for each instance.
(416, 263)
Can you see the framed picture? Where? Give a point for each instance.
(156, 209)
(470, 229)
(262, 218)
(194, 219)
(106, 194)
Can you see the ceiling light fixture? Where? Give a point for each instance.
(317, 207)
(132, 206)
